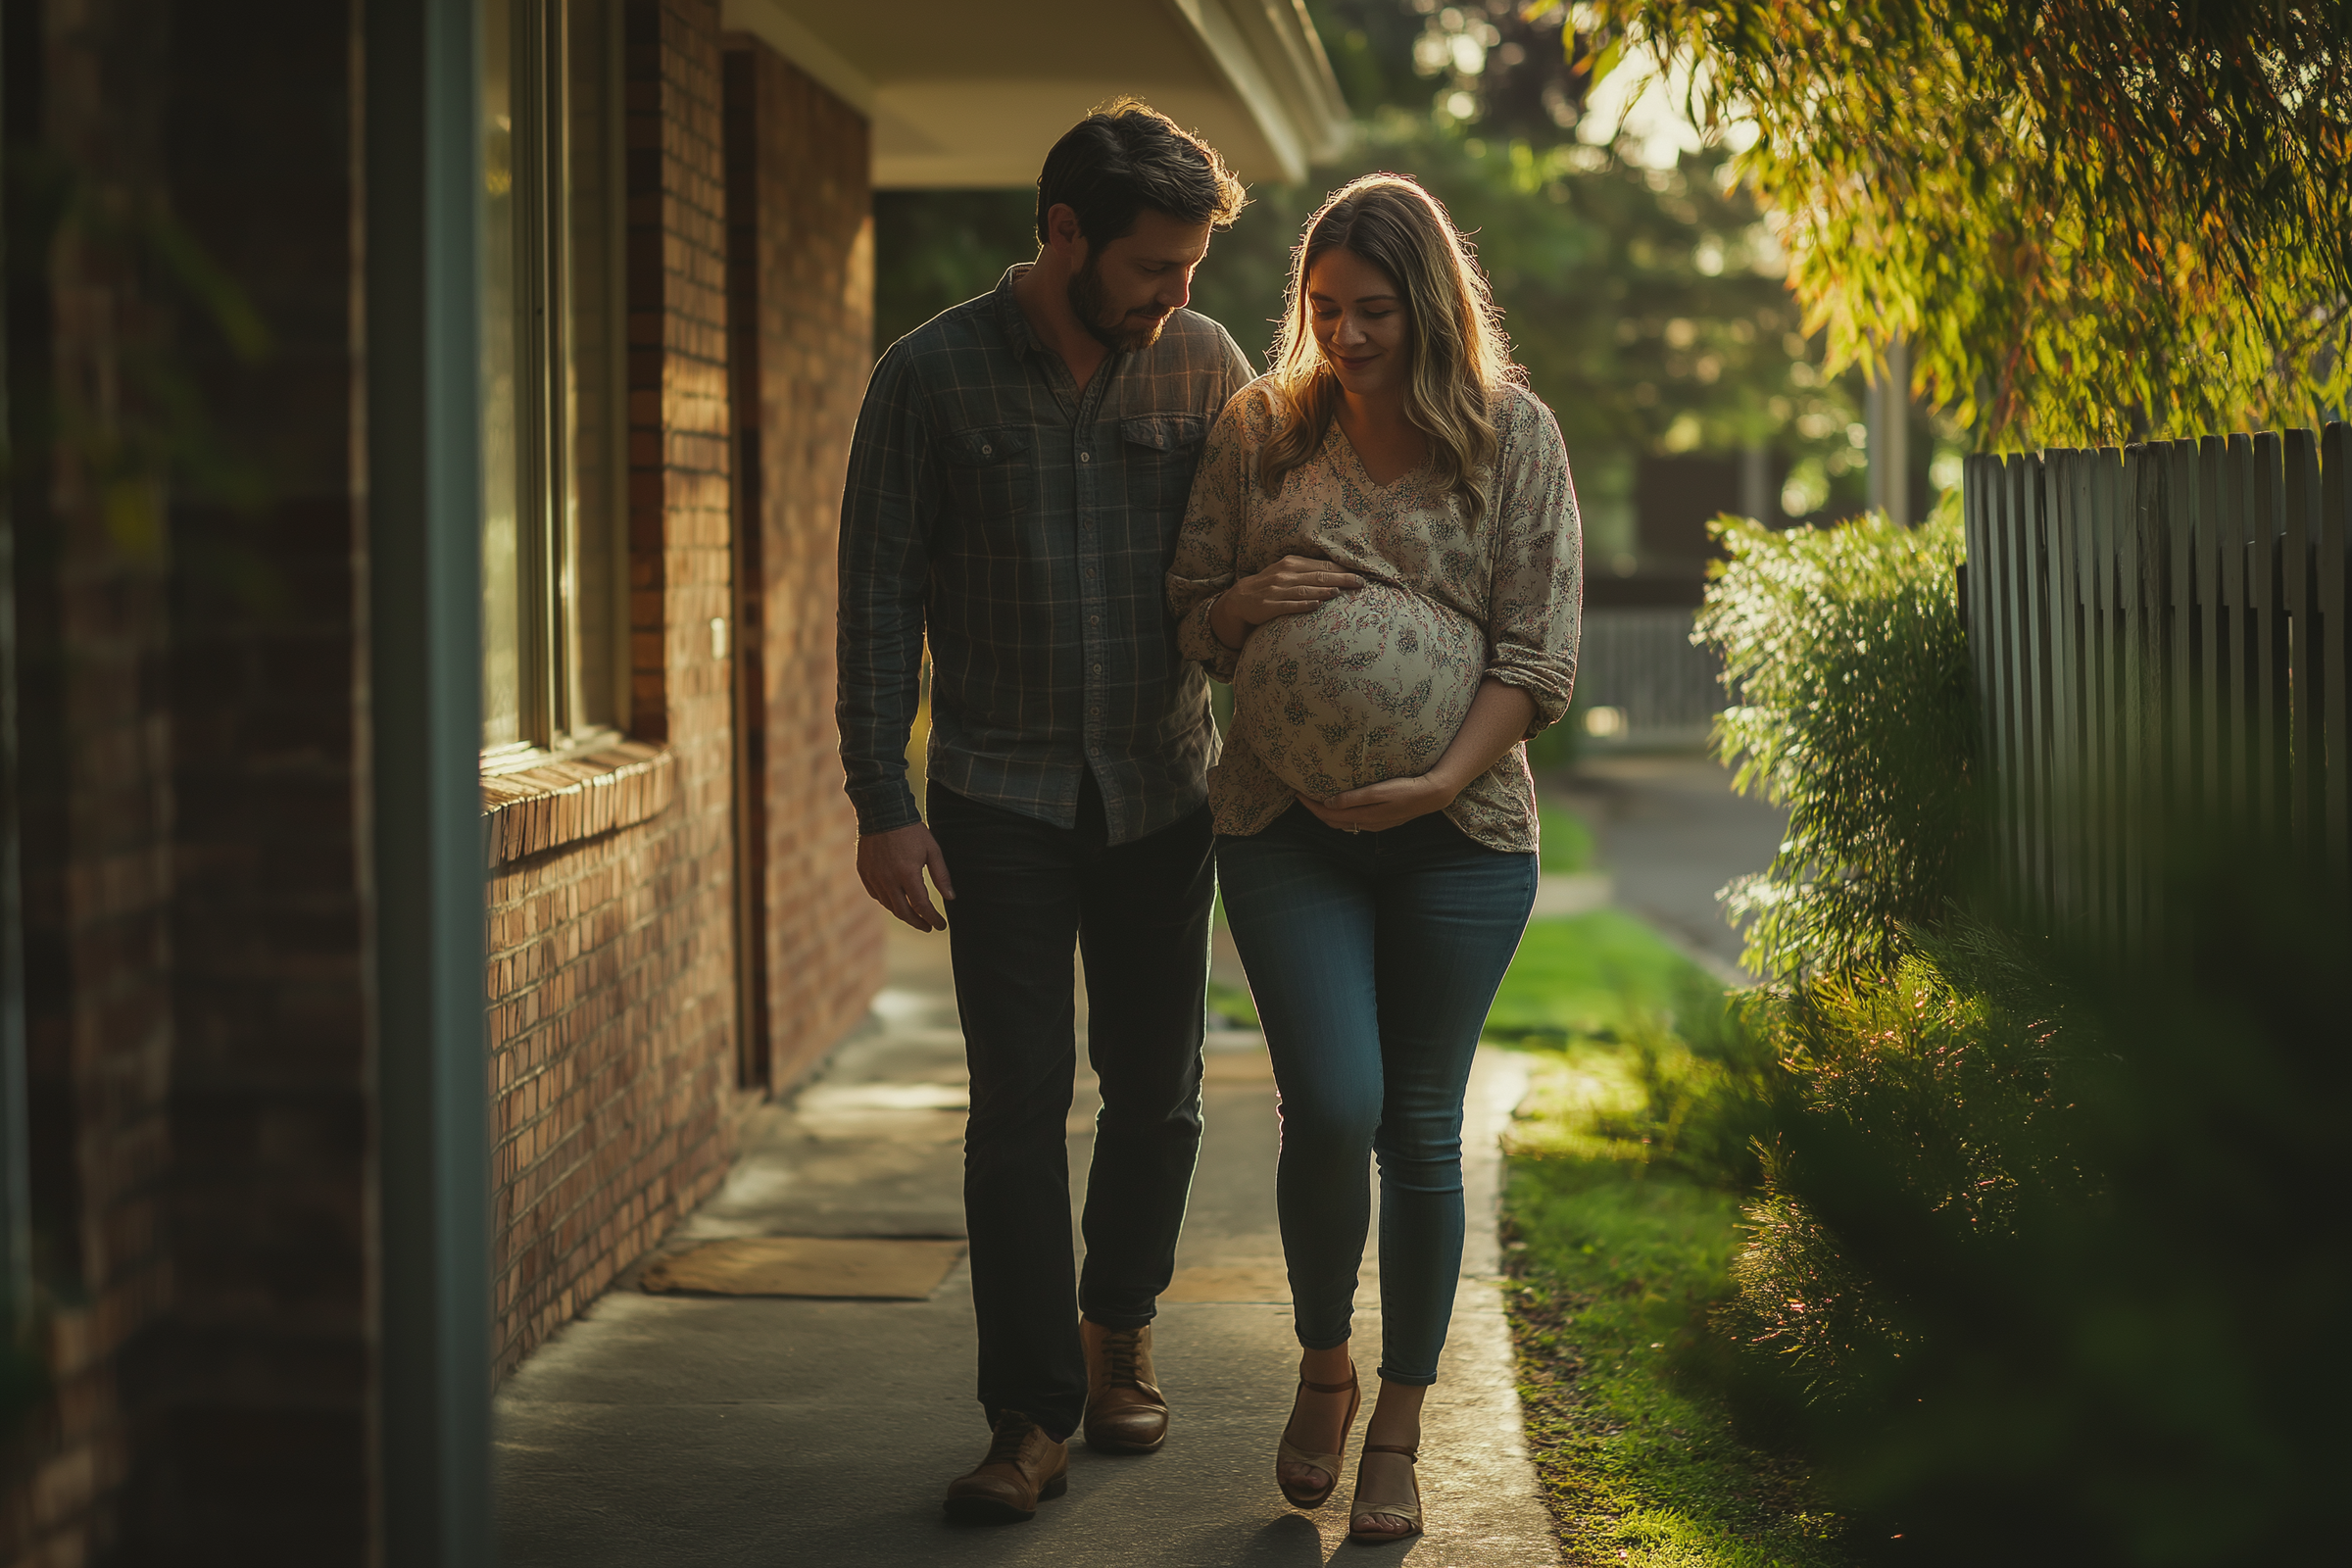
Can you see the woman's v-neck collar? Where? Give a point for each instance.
(1363, 469)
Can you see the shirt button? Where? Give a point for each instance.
(1094, 713)
(1086, 457)
(987, 451)
(1090, 571)
(1097, 669)
(1093, 620)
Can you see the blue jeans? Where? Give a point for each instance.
(1373, 958)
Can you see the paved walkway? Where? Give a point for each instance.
(666, 1430)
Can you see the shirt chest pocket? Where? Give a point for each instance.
(1161, 451)
(991, 479)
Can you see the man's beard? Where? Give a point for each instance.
(1088, 298)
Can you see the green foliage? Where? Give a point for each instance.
(937, 248)
(1645, 304)
(1953, 1071)
(1499, 69)
(2093, 220)
(2086, 1216)
(1845, 646)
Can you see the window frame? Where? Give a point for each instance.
(556, 715)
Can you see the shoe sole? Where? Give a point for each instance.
(1116, 1445)
(989, 1511)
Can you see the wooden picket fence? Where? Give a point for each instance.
(2159, 637)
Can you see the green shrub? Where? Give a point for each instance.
(1953, 1072)
(1845, 649)
(2074, 1227)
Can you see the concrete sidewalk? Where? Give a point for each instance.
(667, 1429)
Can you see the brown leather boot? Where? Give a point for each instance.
(1125, 1411)
(1024, 1467)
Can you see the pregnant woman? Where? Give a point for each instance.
(1382, 555)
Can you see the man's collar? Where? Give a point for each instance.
(1020, 337)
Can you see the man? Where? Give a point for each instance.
(1019, 476)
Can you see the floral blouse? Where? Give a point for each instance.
(1518, 576)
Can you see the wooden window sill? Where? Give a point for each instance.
(563, 800)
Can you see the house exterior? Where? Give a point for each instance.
(420, 831)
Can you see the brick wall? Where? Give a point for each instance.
(192, 688)
(92, 644)
(269, 1432)
(801, 288)
(611, 980)
(193, 712)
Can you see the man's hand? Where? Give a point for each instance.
(892, 864)
(1377, 808)
(1291, 586)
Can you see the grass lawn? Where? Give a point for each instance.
(1567, 842)
(1617, 1245)
(1594, 975)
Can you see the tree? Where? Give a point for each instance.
(2092, 220)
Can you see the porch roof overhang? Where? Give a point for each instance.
(970, 95)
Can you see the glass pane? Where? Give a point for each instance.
(598, 365)
(502, 604)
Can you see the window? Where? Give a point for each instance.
(554, 526)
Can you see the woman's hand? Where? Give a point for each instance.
(1291, 586)
(1499, 716)
(1391, 802)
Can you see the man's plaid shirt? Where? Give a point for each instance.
(1026, 528)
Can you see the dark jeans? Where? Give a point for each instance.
(1026, 895)
(1373, 959)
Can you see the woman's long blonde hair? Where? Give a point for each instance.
(1460, 360)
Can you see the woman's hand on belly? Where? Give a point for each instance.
(1499, 716)
(1391, 802)
(1291, 586)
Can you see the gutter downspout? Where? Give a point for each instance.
(422, 270)
(16, 1133)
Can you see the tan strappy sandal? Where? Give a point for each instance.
(1409, 1512)
(1328, 1463)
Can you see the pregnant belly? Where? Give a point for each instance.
(1368, 686)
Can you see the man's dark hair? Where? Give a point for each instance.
(1125, 157)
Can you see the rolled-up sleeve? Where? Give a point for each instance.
(1209, 543)
(887, 511)
(1537, 598)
